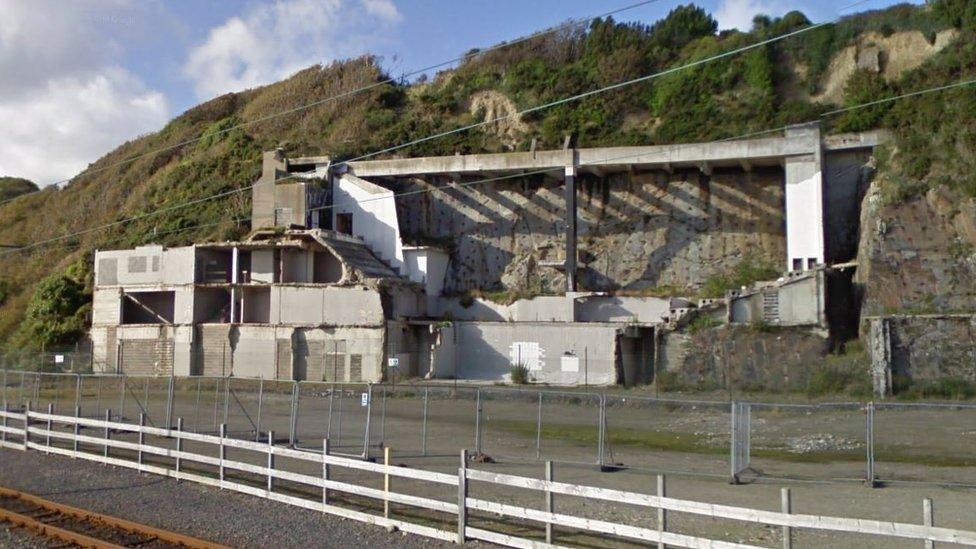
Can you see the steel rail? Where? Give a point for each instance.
(99, 519)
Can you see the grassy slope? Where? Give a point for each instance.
(738, 95)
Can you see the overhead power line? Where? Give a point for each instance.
(466, 128)
(542, 171)
(501, 45)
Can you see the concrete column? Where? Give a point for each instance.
(234, 258)
(570, 196)
(879, 349)
(805, 202)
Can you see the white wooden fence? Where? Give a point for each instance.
(29, 430)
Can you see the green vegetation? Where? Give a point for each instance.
(946, 388)
(843, 373)
(56, 313)
(748, 270)
(12, 187)
(520, 374)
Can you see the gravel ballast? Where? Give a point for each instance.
(208, 513)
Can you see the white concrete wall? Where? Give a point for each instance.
(262, 266)
(294, 305)
(147, 265)
(622, 309)
(427, 266)
(106, 307)
(254, 354)
(374, 216)
(804, 211)
(488, 350)
(543, 308)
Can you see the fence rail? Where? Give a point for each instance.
(40, 431)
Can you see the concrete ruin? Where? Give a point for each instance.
(352, 264)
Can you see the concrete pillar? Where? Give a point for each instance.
(879, 349)
(805, 202)
(570, 197)
(234, 257)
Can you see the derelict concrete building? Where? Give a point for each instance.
(351, 264)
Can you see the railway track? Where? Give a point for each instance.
(74, 527)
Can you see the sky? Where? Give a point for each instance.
(80, 77)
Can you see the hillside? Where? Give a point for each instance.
(12, 187)
(790, 81)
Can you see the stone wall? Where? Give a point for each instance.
(921, 348)
(636, 230)
(748, 358)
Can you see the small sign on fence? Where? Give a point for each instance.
(59, 359)
(392, 362)
(365, 400)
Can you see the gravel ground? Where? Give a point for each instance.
(208, 513)
(15, 537)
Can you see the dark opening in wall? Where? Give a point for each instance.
(148, 307)
(843, 306)
(326, 268)
(256, 305)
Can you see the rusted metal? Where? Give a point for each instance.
(53, 510)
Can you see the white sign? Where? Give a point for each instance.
(527, 353)
(569, 363)
(365, 399)
(393, 362)
(58, 359)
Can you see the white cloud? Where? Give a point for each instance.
(738, 14)
(59, 129)
(272, 41)
(64, 99)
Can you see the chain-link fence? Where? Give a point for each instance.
(863, 442)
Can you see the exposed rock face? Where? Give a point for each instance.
(742, 356)
(635, 230)
(506, 123)
(922, 348)
(918, 256)
(888, 55)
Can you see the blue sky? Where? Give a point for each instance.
(79, 77)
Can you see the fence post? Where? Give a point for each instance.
(271, 462)
(75, 430)
(662, 513)
(477, 422)
(257, 426)
(169, 403)
(550, 504)
(869, 420)
(3, 432)
(928, 519)
(786, 505)
(108, 434)
(369, 415)
(142, 437)
(47, 437)
(27, 425)
(538, 430)
(386, 482)
(78, 382)
(382, 419)
(223, 452)
(601, 431)
(293, 418)
(4, 399)
(328, 428)
(462, 497)
(423, 431)
(179, 445)
(325, 470)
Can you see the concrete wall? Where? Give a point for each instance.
(106, 307)
(144, 265)
(427, 266)
(374, 216)
(262, 266)
(543, 308)
(804, 207)
(296, 305)
(565, 354)
(800, 301)
(622, 309)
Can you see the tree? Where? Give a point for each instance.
(12, 187)
(57, 311)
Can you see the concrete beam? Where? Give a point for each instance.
(570, 194)
(770, 150)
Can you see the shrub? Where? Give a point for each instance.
(750, 269)
(520, 374)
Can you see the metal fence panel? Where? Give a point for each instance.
(925, 442)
